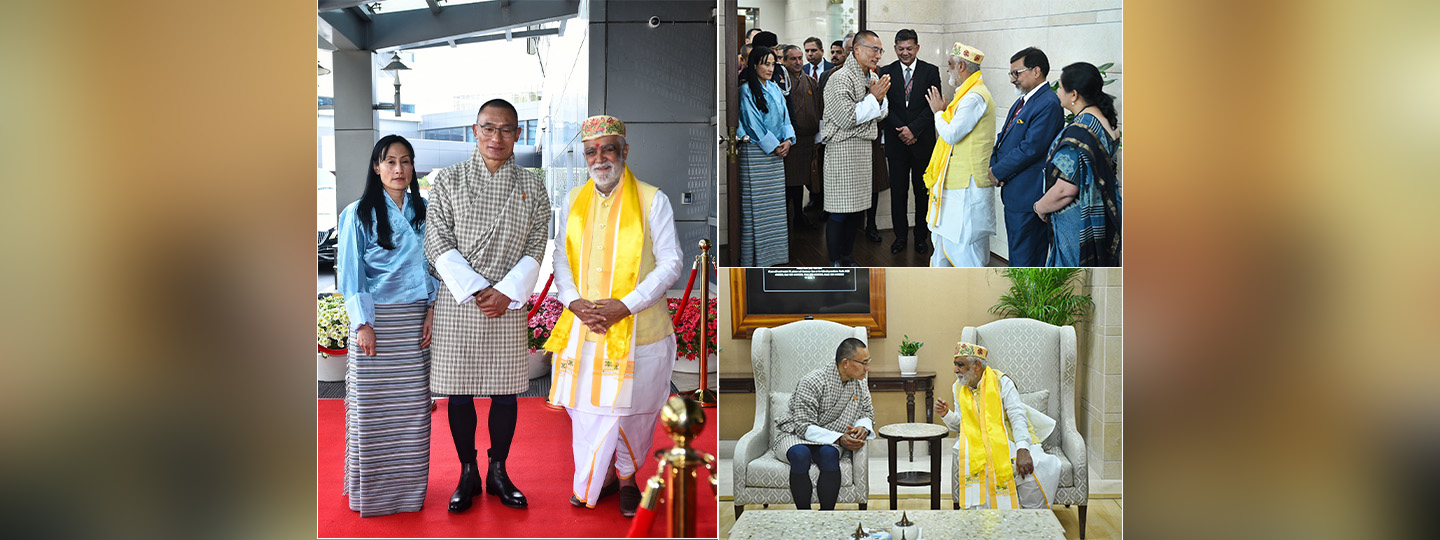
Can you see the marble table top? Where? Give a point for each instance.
(913, 431)
(934, 524)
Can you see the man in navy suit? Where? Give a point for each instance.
(1018, 163)
(909, 137)
(815, 62)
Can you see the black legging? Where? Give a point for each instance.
(503, 410)
(870, 212)
(840, 234)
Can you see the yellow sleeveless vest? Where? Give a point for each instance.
(652, 323)
(972, 155)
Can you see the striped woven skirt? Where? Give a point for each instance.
(387, 415)
(764, 240)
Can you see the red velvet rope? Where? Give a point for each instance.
(640, 526)
(685, 300)
(541, 300)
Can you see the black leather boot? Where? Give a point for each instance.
(469, 487)
(828, 488)
(800, 490)
(498, 483)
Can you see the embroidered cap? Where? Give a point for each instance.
(600, 126)
(970, 349)
(967, 52)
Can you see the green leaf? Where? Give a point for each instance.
(1044, 294)
(1105, 66)
(1107, 82)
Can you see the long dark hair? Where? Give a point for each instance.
(752, 77)
(373, 200)
(1084, 77)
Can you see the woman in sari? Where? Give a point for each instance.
(389, 296)
(764, 118)
(1082, 191)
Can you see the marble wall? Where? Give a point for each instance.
(1098, 379)
(1068, 32)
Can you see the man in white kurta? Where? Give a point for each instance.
(962, 206)
(1015, 472)
(616, 254)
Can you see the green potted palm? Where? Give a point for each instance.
(1044, 294)
(908, 359)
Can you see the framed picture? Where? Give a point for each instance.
(769, 297)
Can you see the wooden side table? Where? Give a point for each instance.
(894, 433)
(893, 381)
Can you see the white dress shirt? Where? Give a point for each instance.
(460, 277)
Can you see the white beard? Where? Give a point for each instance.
(607, 180)
(1019, 92)
(952, 79)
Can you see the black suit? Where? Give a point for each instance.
(909, 160)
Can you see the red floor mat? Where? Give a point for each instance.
(540, 465)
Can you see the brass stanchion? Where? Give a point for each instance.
(705, 396)
(684, 420)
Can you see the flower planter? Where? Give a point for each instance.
(908, 364)
(537, 364)
(330, 365)
(687, 373)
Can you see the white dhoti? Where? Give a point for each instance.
(600, 434)
(1034, 490)
(962, 230)
(950, 254)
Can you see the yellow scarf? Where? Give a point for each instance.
(624, 248)
(940, 157)
(985, 436)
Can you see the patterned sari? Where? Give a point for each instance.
(1087, 231)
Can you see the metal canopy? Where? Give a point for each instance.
(351, 25)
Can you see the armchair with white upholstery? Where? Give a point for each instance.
(1036, 356)
(780, 357)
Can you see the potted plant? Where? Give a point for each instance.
(908, 360)
(1044, 294)
(332, 334)
(538, 364)
(686, 375)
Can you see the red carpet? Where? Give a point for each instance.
(540, 464)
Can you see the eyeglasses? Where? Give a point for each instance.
(1016, 73)
(509, 131)
(865, 363)
(878, 50)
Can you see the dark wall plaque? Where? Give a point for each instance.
(770, 297)
(807, 291)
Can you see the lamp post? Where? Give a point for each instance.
(394, 68)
